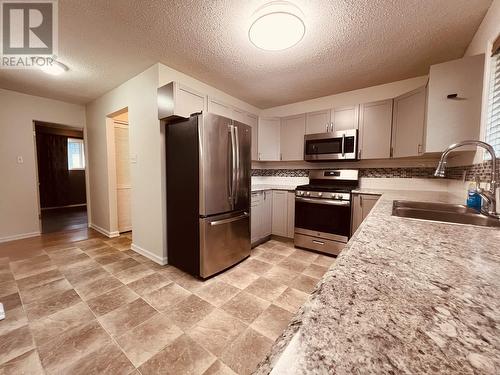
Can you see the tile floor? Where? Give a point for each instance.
(97, 307)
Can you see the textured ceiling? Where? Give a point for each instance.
(348, 45)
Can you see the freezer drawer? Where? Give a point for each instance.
(224, 241)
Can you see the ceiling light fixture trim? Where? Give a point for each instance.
(277, 26)
(57, 68)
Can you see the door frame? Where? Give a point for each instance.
(37, 177)
(111, 169)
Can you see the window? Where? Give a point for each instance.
(76, 154)
(493, 123)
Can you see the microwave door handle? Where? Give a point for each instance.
(237, 169)
(343, 145)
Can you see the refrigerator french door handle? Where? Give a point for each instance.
(230, 163)
(237, 169)
(233, 165)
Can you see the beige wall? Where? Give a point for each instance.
(139, 96)
(487, 31)
(365, 95)
(18, 190)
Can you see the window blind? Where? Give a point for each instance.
(493, 124)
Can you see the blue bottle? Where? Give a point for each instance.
(473, 198)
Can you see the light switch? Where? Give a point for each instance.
(20, 160)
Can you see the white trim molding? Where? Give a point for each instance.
(19, 236)
(107, 233)
(162, 261)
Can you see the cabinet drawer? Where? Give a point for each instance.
(256, 198)
(318, 244)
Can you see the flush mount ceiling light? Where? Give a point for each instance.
(276, 26)
(55, 69)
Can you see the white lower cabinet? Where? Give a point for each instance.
(362, 204)
(260, 215)
(283, 213)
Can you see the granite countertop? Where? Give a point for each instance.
(262, 187)
(404, 297)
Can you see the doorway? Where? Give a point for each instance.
(122, 171)
(60, 155)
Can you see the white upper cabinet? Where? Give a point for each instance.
(292, 137)
(239, 115)
(269, 130)
(408, 124)
(219, 108)
(454, 102)
(375, 123)
(175, 99)
(188, 101)
(345, 118)
(317, 122)
(253, 121)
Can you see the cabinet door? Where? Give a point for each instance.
(362, 205)
(256, 216)
(408, 124)
(317, 122)
(375, 121)
(454, 102)
(292, 138)
(253, 121)
(280, 209)
(269, 139)
(291, 214)
(219, 108)
(345, 118)
(267, 214)
(188, 101)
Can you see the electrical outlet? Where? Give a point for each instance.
(20, 160)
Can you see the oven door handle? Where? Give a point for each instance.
(330, 202)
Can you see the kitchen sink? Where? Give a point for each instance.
(449, 213)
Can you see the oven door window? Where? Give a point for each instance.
(324, 146)
(323, 218)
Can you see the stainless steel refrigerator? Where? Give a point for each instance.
(208, 164)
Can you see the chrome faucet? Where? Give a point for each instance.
(489, 196)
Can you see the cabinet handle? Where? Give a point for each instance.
(391, 153)
(327, 127)
(318, 242)
(281, 156)
(419, 149)
(359, 154)
(454, 97)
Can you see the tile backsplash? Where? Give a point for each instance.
(482, 170)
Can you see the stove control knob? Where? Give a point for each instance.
(307, 193)
(338, 196)
(332, 196)
(320, 194)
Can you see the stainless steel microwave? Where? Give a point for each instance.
(340, 145)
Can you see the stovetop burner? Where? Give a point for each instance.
(327, 188)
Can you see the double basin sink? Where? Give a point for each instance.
(449, 213)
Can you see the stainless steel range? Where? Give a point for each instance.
(323, 210)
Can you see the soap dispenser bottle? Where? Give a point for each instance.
(473, 198)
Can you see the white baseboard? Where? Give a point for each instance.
(107, 233)
(148, 254)
(19, 236)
